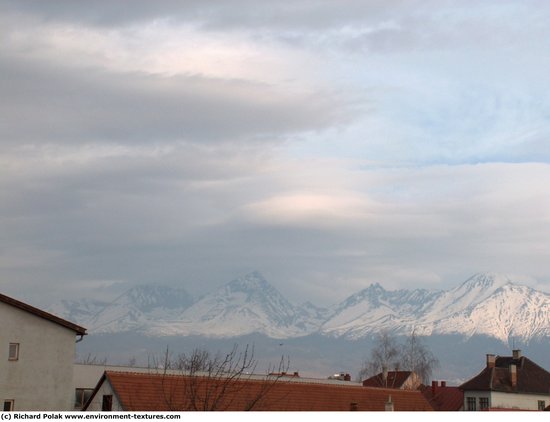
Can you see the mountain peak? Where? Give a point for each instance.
(149, 296)
(375, 287)
(487, 280)
(245, 305)
(248, 282)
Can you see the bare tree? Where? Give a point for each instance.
(416, 357)
(387, 354)
(384, 355)
(90, 359)
(202, 381)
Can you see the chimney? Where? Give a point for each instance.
(513, 375)
(434, 387)
(388, 407)
(347, 377)
(516, 354)
(444, 383)
(491, 361)
(296, 374)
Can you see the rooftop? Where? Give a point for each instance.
(393, 379)
(42, 314)
(442, 397)
(498, 376)
(157, 392)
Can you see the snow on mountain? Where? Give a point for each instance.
(473, 291)
(140, 307)
(77, 311)
(374, 309)
(134, 310)
(309, 317)
(246, 305)
(488, 304)
(511, 311)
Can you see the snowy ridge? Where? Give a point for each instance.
(374, 309)
(134, 310)
(488, 304)
(246, 305)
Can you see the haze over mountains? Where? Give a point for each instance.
(486, 304)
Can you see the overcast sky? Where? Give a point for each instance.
(326, 144)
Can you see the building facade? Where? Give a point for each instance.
(508, 382)
(37, 353)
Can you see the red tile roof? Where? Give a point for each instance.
(531, 378)
(443, 398)
(43, 314)
(157, 392)
(394, 379)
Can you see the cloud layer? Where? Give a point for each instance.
(327, 145)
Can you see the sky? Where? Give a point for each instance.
(326, 144)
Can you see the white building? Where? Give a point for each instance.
(508, 382)
(37, 352)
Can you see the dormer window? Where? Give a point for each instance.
(13, 353)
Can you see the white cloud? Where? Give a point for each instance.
(165, 48)
(304, 208)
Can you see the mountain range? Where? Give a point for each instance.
(486, 304)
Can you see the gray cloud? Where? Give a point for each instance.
(113, 174)
(78, 104)
(215, 14)
(130, 220)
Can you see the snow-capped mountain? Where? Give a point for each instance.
(487, 304)
(470, 293)
(310, 317)
(246, 305)
(134, 310)
(78, 310)
(510, 311)
(374, 309)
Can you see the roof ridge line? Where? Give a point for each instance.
(43, 314)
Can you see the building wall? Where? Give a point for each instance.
(97, 401)
(42, 377)
(88, 375)
(507, 400)
(412, 383)
(520, 401)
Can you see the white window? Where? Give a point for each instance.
(542, 405)
(13, 353)
(8, 405)
(471, 403)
